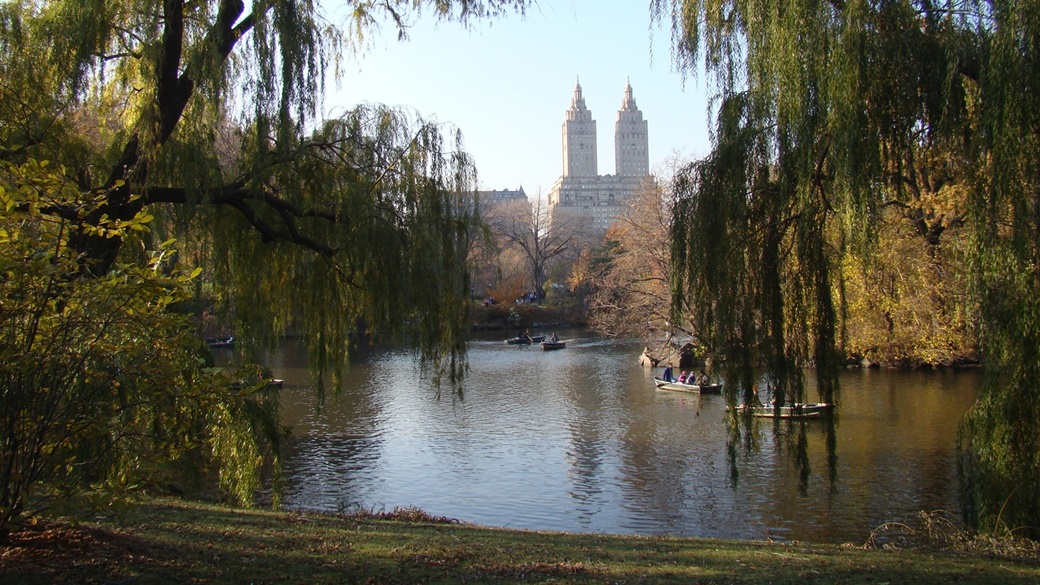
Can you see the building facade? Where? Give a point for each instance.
(583, 198)
(488, 199)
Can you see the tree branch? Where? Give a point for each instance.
(239, 198)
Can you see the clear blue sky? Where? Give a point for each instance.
(508, 83)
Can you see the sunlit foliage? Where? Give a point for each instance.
(204, 114)
(104, 386)
(628, 276)
(200, 121)
(828, 111)
(906, 305)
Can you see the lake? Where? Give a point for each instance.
(579, 440)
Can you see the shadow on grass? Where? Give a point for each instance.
(169, 541)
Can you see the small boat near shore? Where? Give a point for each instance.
(550, 345)
(271, 383)
(221, 342)
(689, 388)
(795, 411)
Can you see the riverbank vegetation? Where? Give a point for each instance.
(902, 303)
(174, 541)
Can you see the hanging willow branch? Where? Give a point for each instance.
(845, 109)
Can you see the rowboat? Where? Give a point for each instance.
(271, 383)
(691, 388)
(221, 342)
(525, 339)
(548, 345)
(794, 411)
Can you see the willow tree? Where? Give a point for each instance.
(824, 109)
(103, 387)
(198, 121)
(357, 220)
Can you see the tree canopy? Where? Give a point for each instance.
(190, 131)
(524, 227)
(204, 114)
(629, 273)
(830, 111)
(104, 388)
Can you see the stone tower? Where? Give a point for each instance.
(582, 200)
(579, 139)
(631, 139)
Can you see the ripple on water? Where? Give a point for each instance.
(580, 440)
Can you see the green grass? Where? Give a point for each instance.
(173, 541)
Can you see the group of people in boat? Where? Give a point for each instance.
(526, 336)
(692, 379)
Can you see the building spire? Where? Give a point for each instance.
(579, 138)
(628, 103)
(631, 139)
(577, 102)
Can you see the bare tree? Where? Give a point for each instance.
(524, 228)
(628, 275)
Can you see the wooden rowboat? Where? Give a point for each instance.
(221, 342)
(690, 388)
(548, 345)
(794, 411)
(525, 339)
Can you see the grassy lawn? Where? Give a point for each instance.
(174, 541)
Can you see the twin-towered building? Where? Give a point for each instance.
(582, 199)
(582, 196)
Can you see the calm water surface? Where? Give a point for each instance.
(580, 440)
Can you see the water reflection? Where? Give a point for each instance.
(580, 440)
